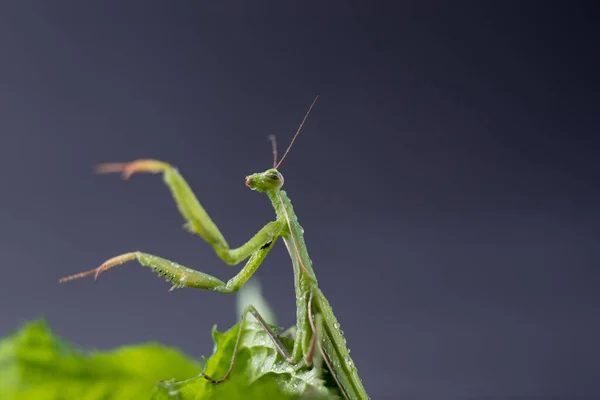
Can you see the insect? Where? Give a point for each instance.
(317, 329)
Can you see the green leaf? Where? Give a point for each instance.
(36, 364)
(259, 372)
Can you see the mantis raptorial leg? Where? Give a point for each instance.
(318, 336)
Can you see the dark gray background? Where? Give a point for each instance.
(447, 178)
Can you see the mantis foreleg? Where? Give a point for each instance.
(181, 276)
(316, 324)
(190, 208)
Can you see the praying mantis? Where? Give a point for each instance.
(318, 335)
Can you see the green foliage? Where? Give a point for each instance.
(259, 372)
(36, 364)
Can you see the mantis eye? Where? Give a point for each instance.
(274, 177)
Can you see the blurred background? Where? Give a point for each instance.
(447, 178)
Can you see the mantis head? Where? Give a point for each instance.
(271, 179)
(264, 181)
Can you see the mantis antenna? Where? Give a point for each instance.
(294, 138)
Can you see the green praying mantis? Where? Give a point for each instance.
(318, 335)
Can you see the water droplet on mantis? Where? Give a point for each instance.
(349, 362)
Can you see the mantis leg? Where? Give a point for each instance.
(190, 208)
(316, 325)
(181, 276)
